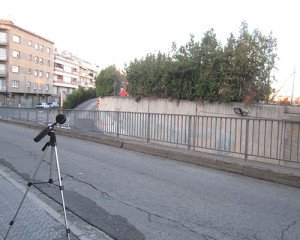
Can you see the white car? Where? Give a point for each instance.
(53, 104)
(43, 105)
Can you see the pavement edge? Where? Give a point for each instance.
(80, 228)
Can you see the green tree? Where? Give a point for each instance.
(210, 73)
(79, 96)
(147, 76)
(206, 70)
(248, 64)
(108, 82)
(183, 70)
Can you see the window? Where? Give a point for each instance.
(16, 54)
(35, 73)
(35, 85)
(2, 70)
(67, 79)
(29, 57)
(36, 59)
(55, 90)
(48, 63)
(41, 61)
(29, 43)
(42, 48)
(15, 84)
(47, 75)
(16, 39)
(41, 73)
(29, 71)
(40, 86)
(15, 69)
(48, 50)
(36, 46)
(47, 87)
(3, 37)
(2, 67)
(3, 55)
(67, 69)
(2, 83)
(28, 84)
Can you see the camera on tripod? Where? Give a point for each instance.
(60, 118)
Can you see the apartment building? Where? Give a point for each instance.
(70, 73)
(26, 66)
(66, 76)
(88, 73)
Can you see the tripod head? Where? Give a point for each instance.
(60, 118)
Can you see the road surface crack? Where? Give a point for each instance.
(149, 214)
(287, 228)
(104, 194)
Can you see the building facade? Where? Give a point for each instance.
(26, 66)
(70, 73)
(66, 76)
(88, 73)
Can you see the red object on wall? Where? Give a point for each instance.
(123, 92)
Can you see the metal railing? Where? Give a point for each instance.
(251, 138)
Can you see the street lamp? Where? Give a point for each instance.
(239, 111)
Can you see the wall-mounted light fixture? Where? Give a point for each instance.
(239, 111)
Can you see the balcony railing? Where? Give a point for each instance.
(3, 57)
(3, 41)
(256, 139)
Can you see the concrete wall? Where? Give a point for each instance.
(269, 139)
(147, 105)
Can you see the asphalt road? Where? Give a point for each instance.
(132, 196)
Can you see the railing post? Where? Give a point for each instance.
(148, 127)
(118, 123)
(246, 140)
(189, 132)
(94, 126)
(36, 115)
(48, 113)
(283, 142)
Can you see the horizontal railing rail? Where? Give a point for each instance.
(251, 138)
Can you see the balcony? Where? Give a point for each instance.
(2, 73)
(3, 41)
(2, 88)
(3, 57)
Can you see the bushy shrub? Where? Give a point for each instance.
(79, 96)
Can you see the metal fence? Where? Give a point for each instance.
(251, 138)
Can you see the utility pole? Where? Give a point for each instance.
(293, 86)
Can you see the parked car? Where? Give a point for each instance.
(43, 105)
(53, 104)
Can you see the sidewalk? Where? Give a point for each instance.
(40, 218)
(32, 222)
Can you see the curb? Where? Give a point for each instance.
(79, 228)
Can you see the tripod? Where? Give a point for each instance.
(51, 143)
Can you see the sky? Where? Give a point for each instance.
(118, 31)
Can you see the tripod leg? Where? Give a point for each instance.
(51, 166)
(61, 188)
(22, 201)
